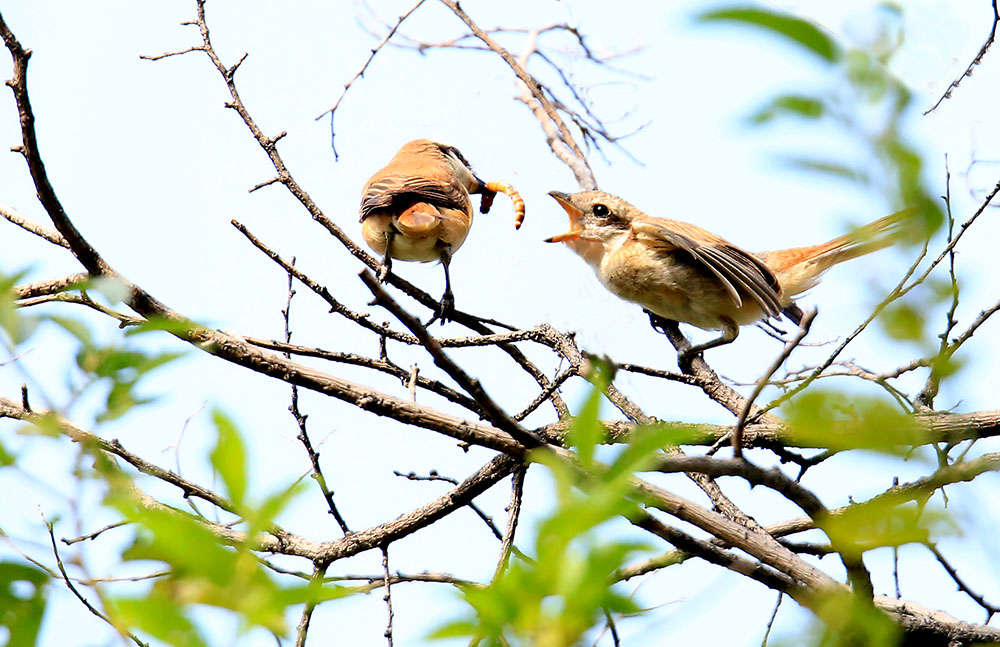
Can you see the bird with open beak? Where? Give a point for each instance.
(418, 208)
(681, 272)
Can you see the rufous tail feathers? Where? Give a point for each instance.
(799, 269)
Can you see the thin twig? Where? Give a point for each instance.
(69, 584)
(300, 420)
(494, 413)
(347, 86)
(770, 622)
(513, 514)
(13, 215)
(990, 609)
(976, 61)
(387, 597)
(95, 534)
(741, 420)
(567, 150)
(302, 629)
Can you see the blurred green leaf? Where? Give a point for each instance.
(883, 522)
(114, 289)
(123, 368)
(229, 457)
(566, 590)
(22, 602)
(795, 105)
(120, 401)
(6, 457)
(17, 326)
(586, 432)
(903, 322)
(795, 29)
(260, 517)
(944, 365)
(849, 621)
(821, 418)
(203, 571)
(833, 169)
(76, 328)
(162, 618)
(180, 541)
(162, 324)
(644, 445)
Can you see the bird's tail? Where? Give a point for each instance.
(799, 269)
(418, 221)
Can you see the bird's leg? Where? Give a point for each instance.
(383, 271)
(729, 333)
(685, 354)
(658, 323)
(447, 305)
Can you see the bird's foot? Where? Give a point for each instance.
(686, 356)
(445, 310)
(383, 271)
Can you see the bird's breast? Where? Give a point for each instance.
(670, 283)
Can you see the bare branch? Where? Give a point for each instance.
(741, 420)
(15, 216)
(300, 420)
(976, 61)
(375, 50)
(51, 286)
(562, 144)
(69, 584)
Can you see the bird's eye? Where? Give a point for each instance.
(601, 211)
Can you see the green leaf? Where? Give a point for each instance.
(260, 518)
(114, 289)
(6, 457)
(903, 322)
(229, 457)
(586, 431)
(181, 328)
(795, 29)
(883, 522)
(22, 602)
(162, 618)
(75, 328)
(826, 167)
(850, 620)
(840, 421)
(644, 445)
(795, 105)
(180, 541)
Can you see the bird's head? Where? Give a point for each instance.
(593, 215)
(598, 223)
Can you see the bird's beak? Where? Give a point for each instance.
(575, 228)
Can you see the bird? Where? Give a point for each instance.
(682, 272)
(418, 208)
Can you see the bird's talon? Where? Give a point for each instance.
(687, 356)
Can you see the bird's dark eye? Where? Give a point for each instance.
(601, 211)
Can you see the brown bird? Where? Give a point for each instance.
(682, 272)
(418, 208)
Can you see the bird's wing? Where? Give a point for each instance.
(382, 192)
(737, 270)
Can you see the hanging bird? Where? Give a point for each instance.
(418, 208)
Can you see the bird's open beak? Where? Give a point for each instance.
(574, 214)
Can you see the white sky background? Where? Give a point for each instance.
(151, 168)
